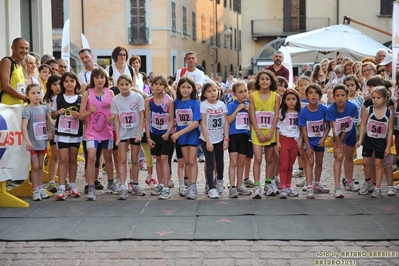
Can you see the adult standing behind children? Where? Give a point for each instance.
(12, 81)
(277, 68)
(191, 70)
(119, 56)
(87, 59)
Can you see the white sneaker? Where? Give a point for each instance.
(338, 193)
(269, 190)
(391, 191)
(36, 195)
(123, 193)
(213, 193)
(352, 187)
(301, 183)
(43, 194)
(256, 194)
(219, 186)
(273, 183)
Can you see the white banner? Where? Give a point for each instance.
(288, 64)
(85, 42)
(395, 39)
(65, 48)
(14, 158)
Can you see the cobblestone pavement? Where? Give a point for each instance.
(205, 252)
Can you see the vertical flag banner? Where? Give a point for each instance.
(288, 64)
(395, 39)
(85, 42)
(65, 47)
(14, 158)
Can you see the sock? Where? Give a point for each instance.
(268, 180)
(110, 182)
(368, 180)
(91, 187)
(193, 184)
(166, 189)
(309, 187)
(233, 186)
(337, 188)
(374, 184)
(72, 184)
(283, 187)
(161, 184)
(257, 184)
(349, 181)
(316, 184)
(135, 183)
(35, 189)
(181, 182)
(62, 187)
(123, 187)
(39, 187)
(246, 178)
(185, 178)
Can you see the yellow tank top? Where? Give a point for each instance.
(17, 81)
(269, 106)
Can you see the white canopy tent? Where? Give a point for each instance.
(336, 38)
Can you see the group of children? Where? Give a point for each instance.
(280, 123)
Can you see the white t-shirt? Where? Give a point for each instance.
(197, 75)
(116, 74)
(214, 121)
(289, 127)
(128, 108)
(139, 84)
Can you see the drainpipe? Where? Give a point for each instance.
(337, 11)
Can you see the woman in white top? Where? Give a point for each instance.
(119, 56)
(135, 62)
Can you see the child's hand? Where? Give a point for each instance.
(358, 144)
(299, 144)
(150, 143)
(268, 136)
(92, 108)
(29, 146)
(165, 137)
(209, 147)
(387, 151)
(61, 111)
(118, 140)
(138, 139)
(278, 146)
(321, 142)
(240, 106)
(110, 119)
(308, 152)
(75, 114)
(261, 138)
(225, 145)
(175, 136)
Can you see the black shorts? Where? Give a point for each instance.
(239, 143)
(52, 142)
(368, 152)
(64, 145)
(162, 147)
(131, 141)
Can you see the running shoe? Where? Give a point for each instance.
(36, 195)
(256, 194)
(213, 193)
(51, 187)
(233, 193)
(157, 190)
(137, 190)
(61, 195)
(74, 193)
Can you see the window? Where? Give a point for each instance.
(230, 4)
(235, 39)
(138, 30)
(237, 6)
(218, 32)
(294, 16)
(203, 28)
(57, 13)
(386, 7)
(231, 39)
(224, 3)
(212, 31)
(225, 38)
(184, 20)
(173, 17)
(194, 26)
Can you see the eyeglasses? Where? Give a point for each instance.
(122, 54)
(62, 66)
(368, 70)
(382, 70)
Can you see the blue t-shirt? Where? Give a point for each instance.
(185, 113)
(344, 119)
(314, 123)
(159, 115)
(240, 125)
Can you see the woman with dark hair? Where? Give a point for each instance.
(119, 56)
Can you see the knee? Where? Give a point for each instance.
(63, 161)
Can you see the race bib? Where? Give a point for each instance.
(21, 88)
(315, 128)
(128, 119)
(40, 130)
(376, 129)
(242, 121)
(291, 121)
(215, 122)
(396, 121)
(264, 119)
(68, 124)
(343, 124)
(184, 117)
(160, 121)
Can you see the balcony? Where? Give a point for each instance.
(138, 35)
(282, 27)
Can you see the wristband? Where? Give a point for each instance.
(147, 137)
(226, 139)
(141, 134)
(260, 133)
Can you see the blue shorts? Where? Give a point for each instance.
(106, 144)
(351, 139)
(314, 148)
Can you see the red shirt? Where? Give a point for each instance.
(282, 72)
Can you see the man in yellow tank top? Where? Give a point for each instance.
(12, 84)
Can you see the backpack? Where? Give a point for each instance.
(11, 70)
(111, 71)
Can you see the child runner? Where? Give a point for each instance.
(264, 104)
(238, 119)
(288, 140)
(128, 110)
(376, 134)
(214, 136)
(159, 124)
(53, 89)
(187, 116)
(96, 111)
(342, 114)
(36, 130)
(68, 133)
(314, 131)
(250, 153)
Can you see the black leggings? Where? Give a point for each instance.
(210, 158)
(98, 153)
